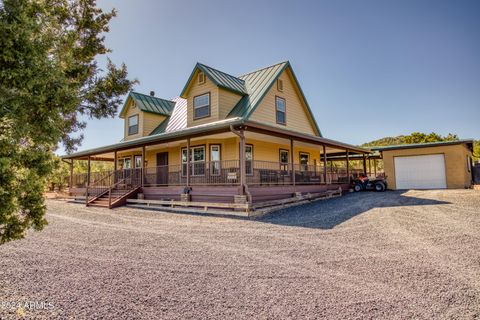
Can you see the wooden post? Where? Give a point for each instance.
(364, 165)
(70, 183)
(348, 168)
(292, 159)
(143, 165)
(115, 160)
(243, 168)
(88, 181)
(188, 162)
(369, 166)
(324, 164)
(375, 167)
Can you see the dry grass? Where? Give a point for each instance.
(390, 255)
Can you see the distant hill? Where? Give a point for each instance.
(415, 137)
(419, 137)
(387, 141)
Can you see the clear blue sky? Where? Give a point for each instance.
(396, 66)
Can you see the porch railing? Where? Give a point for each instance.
(216, 173)
(103, 181)
(100, 182)
(201, 173)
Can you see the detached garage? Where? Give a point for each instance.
(437, 165)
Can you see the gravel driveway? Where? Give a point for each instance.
(391, 255)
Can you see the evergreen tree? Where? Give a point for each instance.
(49, 80)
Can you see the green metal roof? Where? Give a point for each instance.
(258, 83)
(219, 78)
(421, 145)
(150, 104)
(161, 127)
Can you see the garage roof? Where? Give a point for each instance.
(468, 142)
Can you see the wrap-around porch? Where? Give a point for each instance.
(245, 163)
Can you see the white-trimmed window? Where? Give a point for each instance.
(280, 107)
(304, 160)
(201, 106)
(127, 163)
(133, 125)
(197, 161)
(138, 161)
(283, 159)
(215, 157)
(249, 159)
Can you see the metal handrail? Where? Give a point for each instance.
(97, 187)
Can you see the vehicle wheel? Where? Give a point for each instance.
(380, 186)
(357, 188)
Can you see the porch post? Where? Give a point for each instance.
(292, 159)
(71, 175)
(369, 166)
(375, 167)
(115, 160)
(348, 168)
(241, 157)
(143, 165)
(324, 164)
(364, 165)
(88, 180)
(188, 162)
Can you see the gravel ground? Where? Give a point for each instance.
(391, 255)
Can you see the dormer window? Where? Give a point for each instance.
(280, 85)
(201, 78)
(280, 107)
(133, 125)
(201, 106)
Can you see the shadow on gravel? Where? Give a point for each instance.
(330, 213)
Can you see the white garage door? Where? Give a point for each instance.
(420, 172)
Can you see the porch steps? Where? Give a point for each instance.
(117, 198)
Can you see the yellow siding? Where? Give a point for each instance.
(269, 151)
(296, 111)
(226, 101)
(147, 122)
(197, 89)
(457, 172)
(150, 122)
(262, 151)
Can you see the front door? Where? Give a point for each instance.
(162, 168)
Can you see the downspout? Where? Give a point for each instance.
(244, 185)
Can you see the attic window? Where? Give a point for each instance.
(280, 85)
(201, 106)
(133, 125)
(201, 78)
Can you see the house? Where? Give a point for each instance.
(434, 165)
(226, 140)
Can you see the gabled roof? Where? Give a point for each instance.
(148, 103)
(178, 119)
(258, 83)
(219, 78)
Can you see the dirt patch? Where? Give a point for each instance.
(391, 255)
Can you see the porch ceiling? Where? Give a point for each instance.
(286, 142)
(220, 130)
